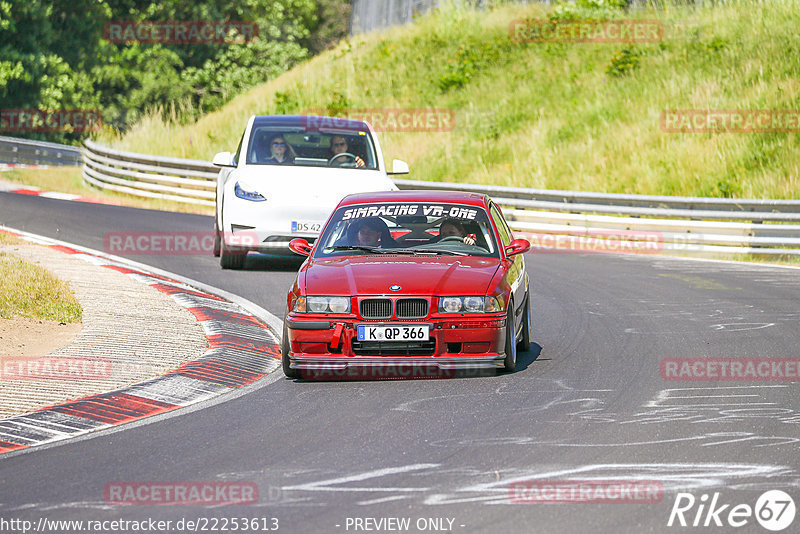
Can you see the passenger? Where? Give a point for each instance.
(455, 228)
(339, 146)
(282, 152)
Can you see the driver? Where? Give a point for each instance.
(339, 146)
(371, 232)
(455, 228)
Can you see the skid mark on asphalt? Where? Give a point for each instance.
(715, 314)
(471, 485)
(554, 393)
(334, 484)
(673, 477)
(725, 406)
(436, 484)
(739, 327)
(706, 404)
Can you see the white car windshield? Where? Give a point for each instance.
(408, 228)
(311, 147)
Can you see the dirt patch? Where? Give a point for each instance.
(22, 337)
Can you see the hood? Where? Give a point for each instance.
(318, 185)
(416, 275)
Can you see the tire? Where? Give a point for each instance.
(525, 336)
(231, 260)
(290, 373)
(510, 363)
(217, 240)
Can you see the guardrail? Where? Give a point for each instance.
(550, 219)
(181, 180)
(26, 152)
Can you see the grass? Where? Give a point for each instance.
(69, 180)
(793, 261)
(557, 115)
(31, 291)
(8, 239)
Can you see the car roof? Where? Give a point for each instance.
(459, 197)
(312, 122)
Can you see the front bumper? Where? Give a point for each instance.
(320, 346)
(263, 241)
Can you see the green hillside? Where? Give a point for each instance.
(582, 116)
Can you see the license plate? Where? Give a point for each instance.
(307, 227)
(393, 333)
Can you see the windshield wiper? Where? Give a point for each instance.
(409, 251)
(432, 251)
(361, 247)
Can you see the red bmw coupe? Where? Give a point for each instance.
(408, 283)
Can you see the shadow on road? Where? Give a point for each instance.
(524, 359)
(267, 262)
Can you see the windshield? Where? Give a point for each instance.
(311, 147)
(408, 228)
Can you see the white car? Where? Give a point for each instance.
(287, 176)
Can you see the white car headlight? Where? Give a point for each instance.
(450, 304)
(469, 304)
(339, 304)
(253, 196)
(322, 305)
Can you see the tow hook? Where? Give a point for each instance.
(337, 335)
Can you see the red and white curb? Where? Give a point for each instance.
(37, 192)
(243, 347)
(10, 166)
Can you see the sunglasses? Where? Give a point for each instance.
(339, 144)
(278, 144)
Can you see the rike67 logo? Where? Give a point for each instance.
(774, 510)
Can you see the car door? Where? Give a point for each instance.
(516, 271)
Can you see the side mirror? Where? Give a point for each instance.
(301, 246)
(399, 167)
(518, 246)
(223, 159)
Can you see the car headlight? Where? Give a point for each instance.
(322, 305)
(248, 195)
(469, 304)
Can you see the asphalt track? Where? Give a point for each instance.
(586, 403)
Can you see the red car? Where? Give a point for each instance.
(408, 283)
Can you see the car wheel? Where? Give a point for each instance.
(525, 336)
(291, 373)
(217, 240)
(229, 259)
(510, 363)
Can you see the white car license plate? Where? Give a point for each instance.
(368, 332)
(306, 227)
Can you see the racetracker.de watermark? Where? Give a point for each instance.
(45, 120)
(730, 120)
(731, 369)
(586, 31)
(586, 491)
(386, 119)
(173, 243)
(55, 368)
(181, 493)
(399, 371)
(180, 32)
(596, 241)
